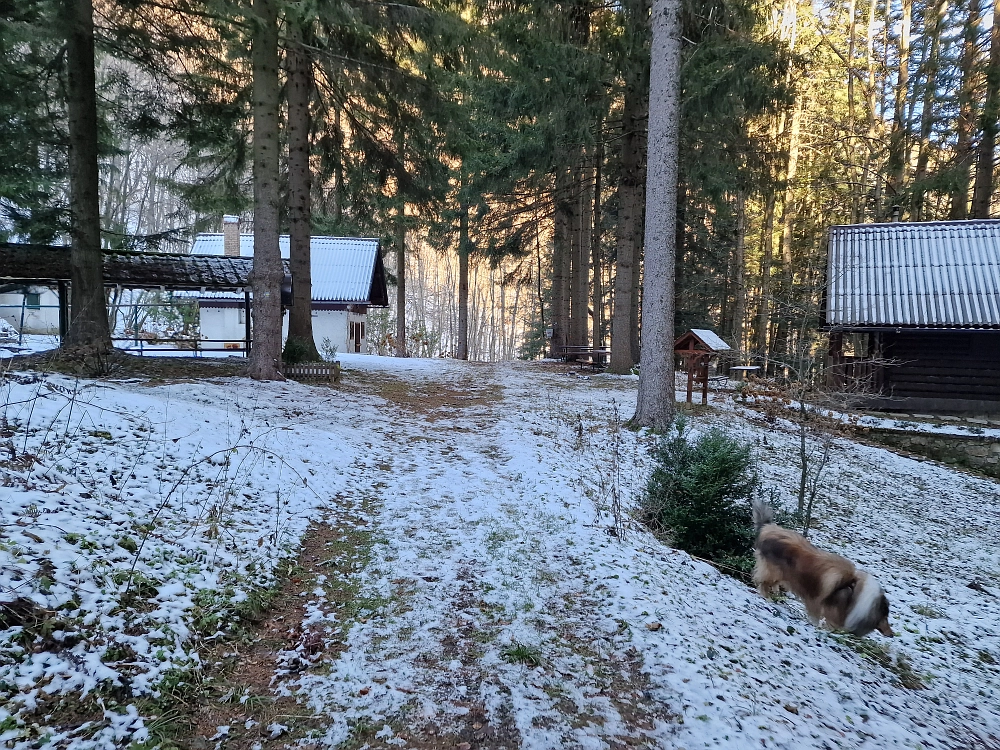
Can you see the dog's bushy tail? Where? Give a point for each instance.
(763, 514)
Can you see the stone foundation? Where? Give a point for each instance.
(978, 452)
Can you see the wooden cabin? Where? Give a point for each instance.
(913, 314)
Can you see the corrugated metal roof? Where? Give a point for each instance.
(934, 274)
(343, 268)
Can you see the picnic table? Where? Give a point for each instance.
(595, 356)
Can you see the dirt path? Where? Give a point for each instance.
(488, 603)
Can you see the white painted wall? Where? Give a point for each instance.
(44, 320)
(226, 323)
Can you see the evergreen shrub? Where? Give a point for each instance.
(296, 352)
(698, 497)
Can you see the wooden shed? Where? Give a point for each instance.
(913, 314)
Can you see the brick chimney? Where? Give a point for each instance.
(231, 236)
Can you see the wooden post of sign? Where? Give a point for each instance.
(690, 384)
(703, 373)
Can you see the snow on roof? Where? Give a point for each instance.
(343, 268)
(937, 274)
(710, 339)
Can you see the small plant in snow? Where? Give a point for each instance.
(328, 350)
(522, 653)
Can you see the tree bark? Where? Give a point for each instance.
(595, 244)
(560, 265)
(739, 282)
(631, 195)
(88, 324)
(463, 280)
(655, 402)
(982, 192)
(299, 95)
(265, 355)
(581, 276)
(897, 138)
(400, 249)
(927, 110)
(787, 227)
(966, 114)
(766, 259)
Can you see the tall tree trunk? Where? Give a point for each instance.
(927, 109)
(966, 113)
(298, 93)
(88, 324)
(766, 259)
(463, 278)
(595, 242)
(871, 104)
(577, 290)
(655, 402)
(265, 356)
(787, 226)
(897, 138)
(400, 242)
(635, 298)
(852, 120)
(581, 275)
(560, 265)
(982, 192)
(739, 282)
(631, 195)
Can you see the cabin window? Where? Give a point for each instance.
(362, 324)
(33, 300)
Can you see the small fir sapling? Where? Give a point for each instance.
(698, 497)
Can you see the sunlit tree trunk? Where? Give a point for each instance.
(966, 113)
(787, 226)
(739, 267)
(595, 244)
(463, 279)
(982, 192)
(898, 136)
(931, 67)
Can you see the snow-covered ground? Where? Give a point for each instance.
(496, 606)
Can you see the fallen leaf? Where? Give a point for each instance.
(654, 626)
(364, 691)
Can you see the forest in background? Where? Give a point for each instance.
(498, 148)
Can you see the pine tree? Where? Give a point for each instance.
(88, 323)
(655, 403)
(265, 356)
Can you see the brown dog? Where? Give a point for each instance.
(832, 589)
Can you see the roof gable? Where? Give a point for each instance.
(931, 274)
(344, 269)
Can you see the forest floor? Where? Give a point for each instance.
(427, 555)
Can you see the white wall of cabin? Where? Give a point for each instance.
(44, 320)
(226, 324)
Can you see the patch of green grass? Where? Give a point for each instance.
(928, 611)
(522, 653)
(876, 652)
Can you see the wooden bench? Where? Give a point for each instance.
(589, 355)
(314, 371)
